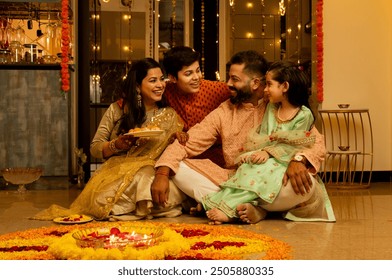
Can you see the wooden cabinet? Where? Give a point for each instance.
(35, 119)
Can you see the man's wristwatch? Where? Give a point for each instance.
(299, 158)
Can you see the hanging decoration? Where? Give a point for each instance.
(150, 24)
(319, 50)
(128, 60)
(202, 36)
(173, 23)
(65, 43)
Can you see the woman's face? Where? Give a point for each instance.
(189, 77)
(153, 86)
(274, 90)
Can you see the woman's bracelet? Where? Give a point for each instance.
(162, 173)
(113, 148)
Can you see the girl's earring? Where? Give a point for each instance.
(139, 98)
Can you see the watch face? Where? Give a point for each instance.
(298, 158)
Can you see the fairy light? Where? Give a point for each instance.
(282, 8)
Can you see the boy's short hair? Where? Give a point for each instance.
(178, 57)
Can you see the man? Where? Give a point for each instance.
(190, 95)
(232, 121)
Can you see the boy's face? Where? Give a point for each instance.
(188, 78)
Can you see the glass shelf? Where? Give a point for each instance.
(30, 66)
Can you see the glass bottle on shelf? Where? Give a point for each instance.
(17, 52)
(4, 56)
(30, 53)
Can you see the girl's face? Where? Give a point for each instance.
(274, 90)
(153, 86)
(189, 78)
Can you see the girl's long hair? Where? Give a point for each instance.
(299, 82)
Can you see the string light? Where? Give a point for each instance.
(128, 49)
(202, 37)
(150, 22)
(173, 19)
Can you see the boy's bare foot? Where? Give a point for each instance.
(197, 211)
(251, 214)
(217, 217)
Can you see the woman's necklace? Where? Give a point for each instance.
(151, 113)
(288, 118)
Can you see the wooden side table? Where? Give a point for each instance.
(349, 142)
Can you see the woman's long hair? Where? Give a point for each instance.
(133, 114)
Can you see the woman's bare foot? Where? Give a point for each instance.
(197, 211)
(217, 217)
(251, 214)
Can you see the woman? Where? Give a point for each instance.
(120, 188)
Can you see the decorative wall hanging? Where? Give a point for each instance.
(65, 43)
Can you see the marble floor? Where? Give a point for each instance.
(362, 232)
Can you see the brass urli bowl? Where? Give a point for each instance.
(103, 237)
(344, 148)
(343, 106)
(21, 175)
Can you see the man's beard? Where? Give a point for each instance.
(241, 96)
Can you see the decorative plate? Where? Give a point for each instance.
(145, 133)
(73, 219)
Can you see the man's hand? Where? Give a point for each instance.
(299, 177)
(160, 186)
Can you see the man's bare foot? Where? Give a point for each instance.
(217, 217)
(197, 211)
(251, 214)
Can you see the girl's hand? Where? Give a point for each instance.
(257, 157)
(181, 136)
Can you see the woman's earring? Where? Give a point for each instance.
(139, 98)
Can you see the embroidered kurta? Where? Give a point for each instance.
(231, 123)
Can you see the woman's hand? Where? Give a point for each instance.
(125, 142)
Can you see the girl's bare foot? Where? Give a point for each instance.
(197, 211)
(251, 214)
(217, 217)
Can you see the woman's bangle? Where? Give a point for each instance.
(113, 148)
(162, 173)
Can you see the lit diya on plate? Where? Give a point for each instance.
(118, 237)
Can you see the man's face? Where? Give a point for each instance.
(239, 84)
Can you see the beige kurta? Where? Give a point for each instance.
(232, 123)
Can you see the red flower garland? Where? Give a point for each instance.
(320, 50)
(65, 41)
